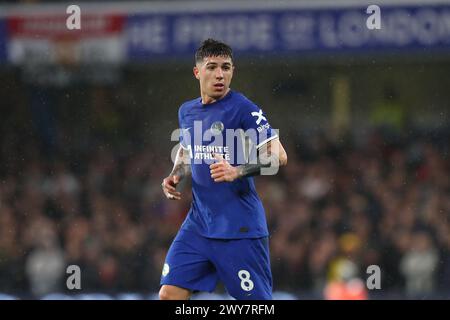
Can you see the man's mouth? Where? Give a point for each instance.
(219, 85)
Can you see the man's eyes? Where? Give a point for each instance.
(223, 68)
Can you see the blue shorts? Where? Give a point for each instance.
(198, 263)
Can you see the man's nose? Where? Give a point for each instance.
(219, 73)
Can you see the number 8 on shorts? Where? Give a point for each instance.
(246, 283)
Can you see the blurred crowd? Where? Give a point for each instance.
(340, 208)
(337, 208)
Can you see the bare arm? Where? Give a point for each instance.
(182, 164)
(273, 152)
(181, 169)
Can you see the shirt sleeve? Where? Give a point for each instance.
(256, 125)
(184, 132)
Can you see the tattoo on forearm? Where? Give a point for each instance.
(264, 160)
(250, 170)
(180, 170)
(181, 167)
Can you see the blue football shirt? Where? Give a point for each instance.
(235, 128)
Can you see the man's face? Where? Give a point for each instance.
(214, 74)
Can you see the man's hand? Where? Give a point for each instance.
(169, 185)
(223, 170)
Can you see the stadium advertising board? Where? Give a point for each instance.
(290, 31)
(146, 31)
(45, 38)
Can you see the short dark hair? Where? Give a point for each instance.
(213, 48)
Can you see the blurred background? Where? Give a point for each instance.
(86, 118)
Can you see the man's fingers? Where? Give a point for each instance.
(221, 179)
(215, 165)
(169, 187)
(170, 191)
(172, 197)
(174, 193)
(216, 175)
(220, 169)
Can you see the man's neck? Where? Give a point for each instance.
(208, 100)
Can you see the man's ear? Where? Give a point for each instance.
(196, 71)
